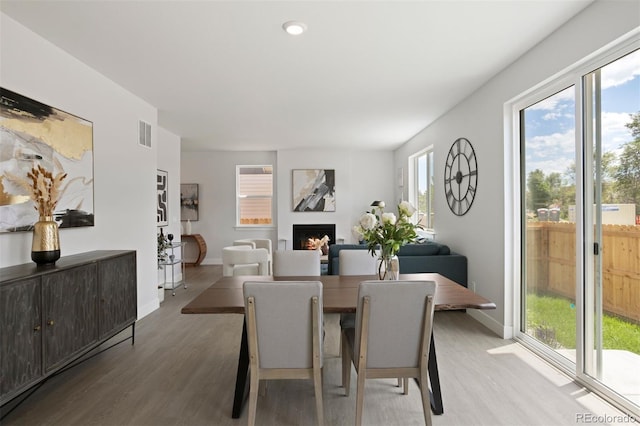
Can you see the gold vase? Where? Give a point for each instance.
(45, 248)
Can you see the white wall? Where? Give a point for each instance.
(215, 174)
(361, 177)
(169, 161)
(124, 172)
(480, 234)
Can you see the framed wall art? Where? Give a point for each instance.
(162, 185)
(33, 134)
(314, 190)
(188, 201)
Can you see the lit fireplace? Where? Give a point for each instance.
(302, 234)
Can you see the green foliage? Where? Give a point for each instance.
(553, 320)
(620, 177)
(387, 232)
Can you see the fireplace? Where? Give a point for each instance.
(301, 233)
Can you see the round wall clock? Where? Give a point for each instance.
(460, 176)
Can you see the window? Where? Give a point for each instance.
(254, 195)
(421, 187)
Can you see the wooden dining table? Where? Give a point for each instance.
(340, 295)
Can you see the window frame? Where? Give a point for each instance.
(414, 185)
(238, 196)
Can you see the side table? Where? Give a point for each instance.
(201, 246)
(172, 261)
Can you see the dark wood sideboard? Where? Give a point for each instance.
(52, 316)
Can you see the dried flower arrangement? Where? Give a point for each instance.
(42, 187)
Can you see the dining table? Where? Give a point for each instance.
(340, 295)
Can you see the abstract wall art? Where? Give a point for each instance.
(162, 185)
(314, 190)
(34, 134)
(188, 201)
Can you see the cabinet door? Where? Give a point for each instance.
(70, 301)
(118, 295)
(20, 335)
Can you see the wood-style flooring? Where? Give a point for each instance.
(181, 371)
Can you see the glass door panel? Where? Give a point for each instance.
(612, 291)
(549, 227)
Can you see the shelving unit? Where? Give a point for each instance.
(172, 261)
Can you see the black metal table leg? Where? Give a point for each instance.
(434, 379)
(241, 375)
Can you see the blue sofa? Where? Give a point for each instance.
(425, 257)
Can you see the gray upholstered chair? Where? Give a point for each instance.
(292, 263)
(357, 262)
(244, 260)
(264, 243)
(284, 335)
(375, 346)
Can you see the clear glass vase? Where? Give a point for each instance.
(389, 267)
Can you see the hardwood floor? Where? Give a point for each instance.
(181, 371)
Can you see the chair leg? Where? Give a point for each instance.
(346, 364)
(360, 398)
(253, 396)
(406, 385)
(317, 384)
(426, 400)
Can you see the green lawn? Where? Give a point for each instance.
(553, 321)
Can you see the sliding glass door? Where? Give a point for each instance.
(549, 228)
(580, 226)
(612, 284)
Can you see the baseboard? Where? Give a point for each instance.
(506, 332)
(147, 308)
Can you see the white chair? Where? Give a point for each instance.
(394, 321)
(284, 335)
(244, 260)
(296, 263)
(357, 262)
(264, 243)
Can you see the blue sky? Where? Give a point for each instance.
(550, 124)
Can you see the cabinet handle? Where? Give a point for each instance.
(50, 322)
(36, 328)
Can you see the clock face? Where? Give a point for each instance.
(460, 176)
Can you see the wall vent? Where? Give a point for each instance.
(144, 134)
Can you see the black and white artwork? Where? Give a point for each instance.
(314, 190)
(188, 201)
(33, 134)
(162, 185)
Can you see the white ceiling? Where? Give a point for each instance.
(366, 74)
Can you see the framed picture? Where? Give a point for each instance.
(162, 185)
(314, 190)
(188, 201)
(33, 134)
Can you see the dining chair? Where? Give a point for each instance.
(291, 263)
(284, 335)
(264, 243)
(244, 260)
(356, 262)
(375, 346)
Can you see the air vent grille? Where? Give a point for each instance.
(144, 130)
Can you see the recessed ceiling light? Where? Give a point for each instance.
(294, 27)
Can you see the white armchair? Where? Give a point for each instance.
(244, 260)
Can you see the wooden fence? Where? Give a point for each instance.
(551, 265)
